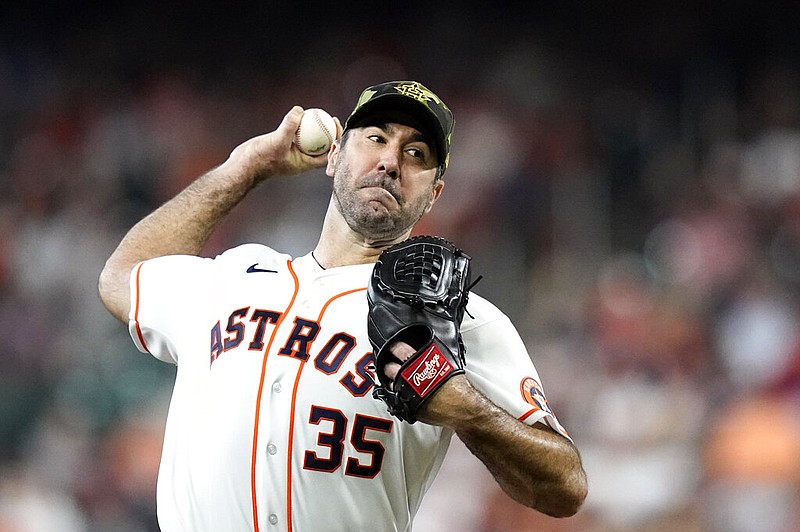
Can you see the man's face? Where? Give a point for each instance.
(384, 180)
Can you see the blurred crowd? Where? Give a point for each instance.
(647, 247)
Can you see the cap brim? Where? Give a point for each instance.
(399, 108)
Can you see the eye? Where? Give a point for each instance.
(374, 134)
(416, 152)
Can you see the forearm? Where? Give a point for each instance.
(184, 224)
(534, 465)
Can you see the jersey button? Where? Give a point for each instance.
(273, 519)
(277, 387)
(272, 449)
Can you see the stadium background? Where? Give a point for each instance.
(626, 176)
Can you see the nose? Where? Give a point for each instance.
(389, 162)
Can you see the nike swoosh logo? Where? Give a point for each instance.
(253, 269)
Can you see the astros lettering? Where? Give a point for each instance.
(244, 326)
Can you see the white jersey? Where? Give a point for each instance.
(272, 424)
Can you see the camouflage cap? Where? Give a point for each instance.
(411, 98)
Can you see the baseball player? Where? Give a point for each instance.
(274, 422)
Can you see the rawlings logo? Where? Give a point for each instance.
(428, 371)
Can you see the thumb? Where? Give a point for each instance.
(290, 123)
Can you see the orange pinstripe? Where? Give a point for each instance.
(258, 399)
(257, 415)
(291, 414)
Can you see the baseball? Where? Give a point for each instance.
(316, 133)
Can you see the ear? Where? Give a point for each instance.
(333, 156)
(437, 191)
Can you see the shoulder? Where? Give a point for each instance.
(247, 252)
(185, 268)
(249, 258)
(481, 312)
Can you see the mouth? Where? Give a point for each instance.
(380, 194)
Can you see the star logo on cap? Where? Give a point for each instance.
(418, 92)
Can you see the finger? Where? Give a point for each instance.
(391, 370)
(290, 122)
(401, 350)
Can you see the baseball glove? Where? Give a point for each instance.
(417, 294)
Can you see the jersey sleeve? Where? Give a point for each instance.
(499, 365)
(175, 298)
(166, 294)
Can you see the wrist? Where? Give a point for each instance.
(456, 405)
(246, 165)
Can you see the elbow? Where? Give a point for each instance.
(105, 287)
(572, 496)
(572, 493)
(560, 498)
(113, 293)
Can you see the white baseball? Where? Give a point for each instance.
(316, 133)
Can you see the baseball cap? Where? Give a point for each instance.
(408, 98)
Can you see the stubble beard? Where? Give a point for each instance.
(374, 224)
